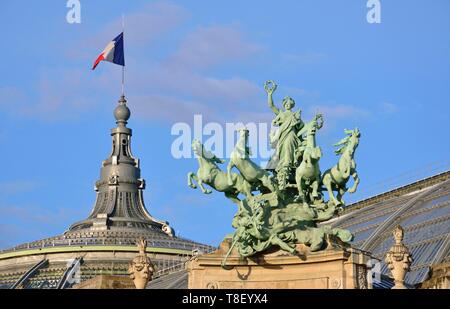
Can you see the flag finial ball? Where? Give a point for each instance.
(122, 112)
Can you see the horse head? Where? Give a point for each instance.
(243, 135)
(354, 136)
(200, 152)
(241, 145)
(314, 125)
(348, 143)
(197, 147)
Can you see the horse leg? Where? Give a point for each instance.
(315, 186)
(301, 195)
(283, 246)
(191, 176)
(317, 240)
(316, 244)
(232, 197)
(204, 190)
(229, 167)
(339, 195)
(327, 182)
(355, 184)
(246, 188)
(267, 182)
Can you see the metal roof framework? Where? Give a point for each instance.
(421, 208)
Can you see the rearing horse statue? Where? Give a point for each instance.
(307, 174)
(240, 158)
(335, 179)
(209, 173)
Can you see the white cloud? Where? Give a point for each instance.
(174, 88)
(40, 217)
(17, 187)
(339, 111)
(177, 87)
(6, 230)
(141, 28)
(167, 108)
(388, 108)
(299, 93)
(60, 95)
(180, 85)
(209, 46)
(334, 113)
(188, 83)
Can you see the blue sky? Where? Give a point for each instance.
(392, 80)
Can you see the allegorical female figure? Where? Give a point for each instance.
(286, 140)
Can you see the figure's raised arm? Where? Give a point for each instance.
(270, 86)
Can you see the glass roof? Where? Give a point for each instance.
(425, 217)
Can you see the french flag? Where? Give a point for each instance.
(113, 52)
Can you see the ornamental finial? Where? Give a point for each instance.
(122, 112)
(398, 234)
(141, 268)
(398, 259)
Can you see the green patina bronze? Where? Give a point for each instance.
(209, 173)
(307, 174)
(335, 179)
(282, 206)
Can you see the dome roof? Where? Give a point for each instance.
(106, 240)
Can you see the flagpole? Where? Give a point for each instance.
(123, 79)
(123, 67)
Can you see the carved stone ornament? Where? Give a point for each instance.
(114, 179)
(212, 285)
(141, 268)
(362, 277)
(398, 259)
